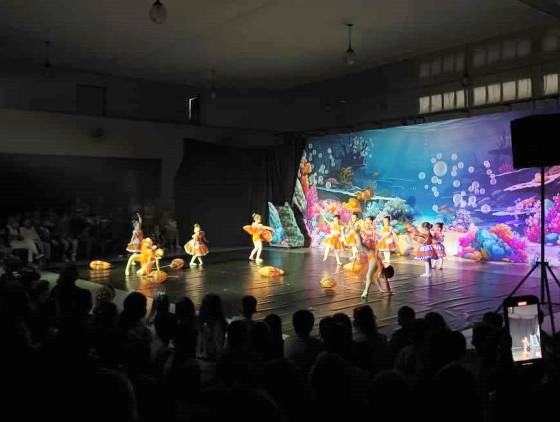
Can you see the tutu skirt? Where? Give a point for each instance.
(440, 250)
(194, 248)
(425, 253)
(334, 242)
(351, 240)
(387, 244)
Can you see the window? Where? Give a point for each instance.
(509, 90)
(447, 63)
(551, 40)
(91, 100)
(494, 94)
(436, 103)
(479, 95)
(524, 89)
(500, 92)
(424, 104)
(495, 53)
(451, 100)
(550, 84)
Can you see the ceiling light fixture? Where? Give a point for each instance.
(350, 57)
(158, 12)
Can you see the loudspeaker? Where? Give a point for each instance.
(534, 140)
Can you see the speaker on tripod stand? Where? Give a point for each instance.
(532, 145)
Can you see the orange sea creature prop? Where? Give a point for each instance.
(269, 271)
(177, 264)
(353, 205)
(100, 265)
(159, 276)
(328, 282)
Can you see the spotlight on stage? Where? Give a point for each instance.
(531, 138)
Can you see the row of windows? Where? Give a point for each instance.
(451, 100)
(489, 54)
(500, 92)
(486, 94)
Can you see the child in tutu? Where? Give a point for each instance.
(439, 247)
(259, 233)
(334, 240)
(426, 251)
(387, 241)
(352, 238)
(197, 246)
(134, 245)
(368, 234)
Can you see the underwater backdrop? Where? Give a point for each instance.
(459, 172)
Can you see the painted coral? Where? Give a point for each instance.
(498, 243)
(552, 221)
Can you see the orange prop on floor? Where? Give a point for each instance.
(159, 276)
(271, 271)
(328, 282)
(100, 265)
(177, 264)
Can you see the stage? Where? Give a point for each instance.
(462, 292)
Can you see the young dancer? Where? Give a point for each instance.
(387, 241)
(334, 240)
(259, 233)
(368, 234)
(373, 269)
(148, 256)
(352, 237)
(439, 247)
(197, 246)
(134, 246)
(426, 251)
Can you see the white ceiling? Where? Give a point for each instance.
(251, 43)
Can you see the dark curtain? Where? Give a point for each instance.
(219, 187)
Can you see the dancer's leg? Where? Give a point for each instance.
(259, 246)
(200, 261)
(129, 264)
(372, 264)
(327, 250)
(254, 251)
(337, 256)
(193, 263)
(354, 253)
(440, 264)
(428, 268)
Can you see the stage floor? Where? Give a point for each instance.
(462, 292)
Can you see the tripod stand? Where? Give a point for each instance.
(544, 266)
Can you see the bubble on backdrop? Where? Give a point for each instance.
(458, 172)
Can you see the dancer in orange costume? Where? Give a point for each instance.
(259, 233)
(134, 246)
(352, 237)
(197, 246)
(426, 251)
(334, 240)
(148, 256)
(368, 233)
(387, 241)
(439, 247)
